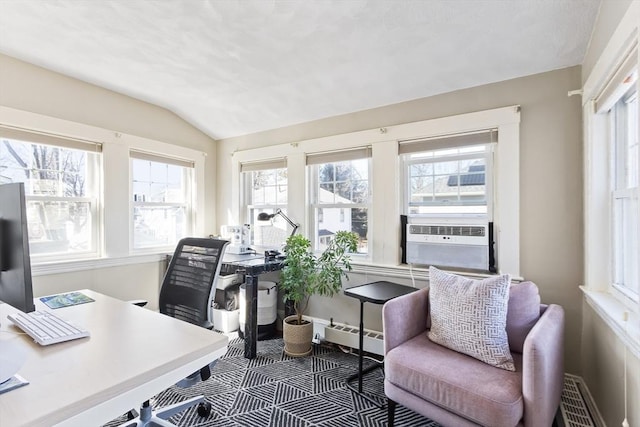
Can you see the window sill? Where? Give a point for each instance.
(612, 312)
(409, 272)
(60, 267)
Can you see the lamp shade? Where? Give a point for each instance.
(263, 216)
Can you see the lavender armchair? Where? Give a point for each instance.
(454, 389)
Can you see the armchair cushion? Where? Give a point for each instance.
(469, 316)
(456, 382)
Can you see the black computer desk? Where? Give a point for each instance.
(252, 266)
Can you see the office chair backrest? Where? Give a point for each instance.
(189, 284)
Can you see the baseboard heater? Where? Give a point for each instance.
(348, 336)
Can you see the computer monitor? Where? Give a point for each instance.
(15, 265)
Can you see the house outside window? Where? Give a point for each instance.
(340, 193)
(61, 178)
(445, 179)
(448, 182)
(265, 189)
(162, 200)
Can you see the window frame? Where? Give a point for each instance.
(93, 159)
(603, 91)
(620, 239)
(113, 246)
(600, 91)
(384, 217)
(317, 209)
(246, 182)
(188, 180)
(406, 162)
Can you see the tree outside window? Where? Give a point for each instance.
(61, 196)
(341, 201)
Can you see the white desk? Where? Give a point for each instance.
(133, 353)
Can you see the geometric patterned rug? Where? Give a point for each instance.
(277, 390)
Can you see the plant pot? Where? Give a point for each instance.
(297, 338)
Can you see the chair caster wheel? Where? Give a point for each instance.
(204, 409)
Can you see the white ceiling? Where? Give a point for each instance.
(233, 67)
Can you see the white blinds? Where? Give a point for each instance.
(624, 77)
(38, 137)
(142, 155)
(263, 165)
(450, 141)
(338, 156)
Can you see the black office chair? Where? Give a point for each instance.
(187, 292)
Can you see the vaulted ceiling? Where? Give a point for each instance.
(234, 67)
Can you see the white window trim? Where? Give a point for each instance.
(314, 204)
(115, 203)
(246, 192)
(94, 184)
(190, 211)
(385, 214)
(606, 301)
(488, 158)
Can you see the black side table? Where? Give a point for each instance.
(377, 293)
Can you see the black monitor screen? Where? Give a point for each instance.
(15, 265)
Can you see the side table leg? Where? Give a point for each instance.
(361, 345)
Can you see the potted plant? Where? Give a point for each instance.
(305, 274)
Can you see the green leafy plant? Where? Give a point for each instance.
(305, 274)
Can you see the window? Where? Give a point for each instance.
(444, 179)
(340, 195)
(61, 184)
(614, 181)
(623, 120)
(162, 200)
(265, 190)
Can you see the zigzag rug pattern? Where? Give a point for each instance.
(276, 390)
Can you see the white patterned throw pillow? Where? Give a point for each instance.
(470, 316)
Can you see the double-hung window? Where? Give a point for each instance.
(619, 101)
(449, 192)
(265, 190)
(61, 177)
(449, 177)
(340, 195)
(162, 192)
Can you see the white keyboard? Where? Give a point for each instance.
(47, 328)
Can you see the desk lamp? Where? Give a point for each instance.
(263, 216)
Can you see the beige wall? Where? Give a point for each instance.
(551, 181)
(603, 370)
(30, 88)
(26, 87)
(128, 282)
(602, 353)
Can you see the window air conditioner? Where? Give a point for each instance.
(446, 244)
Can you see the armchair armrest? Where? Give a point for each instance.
(404, 317)
(543, 368)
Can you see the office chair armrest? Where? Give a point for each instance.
(404, 317)
(543, 367)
